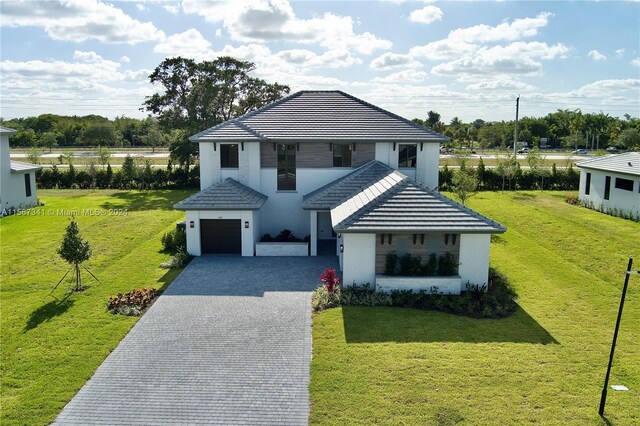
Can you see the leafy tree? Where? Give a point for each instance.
(103, 155)
(33, 155)
(154, 136)
(129, 171)
(100, 134)
(508, 168)
(48, 140)
(536, 165)
(464, 184)
(197, 95)
(629, 138)
(25, 137)
(433, 119)
(74, 250)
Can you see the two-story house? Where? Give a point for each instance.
(352, 177)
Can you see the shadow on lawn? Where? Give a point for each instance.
(48, 311)
(403, 325)
(160, 199)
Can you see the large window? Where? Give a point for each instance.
(27, 184)
(341, 155)
(587, 184)
(607, 187)
(625, 184)
(286, 167)
(229, 156)
(407, 155)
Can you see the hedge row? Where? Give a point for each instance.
(138, 178)
(491, 180)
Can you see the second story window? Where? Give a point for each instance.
(341, 155)
(229, 156)
(407, 155)
(286, 167)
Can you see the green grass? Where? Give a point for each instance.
(52, 343)
(543, 365)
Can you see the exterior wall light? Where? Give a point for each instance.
(191, 224)
(246, 224)
(341, 248)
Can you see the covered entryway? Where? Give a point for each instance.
(221, 236)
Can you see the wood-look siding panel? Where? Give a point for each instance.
(268, 156)
(364, 153)
(417, 249)
(314, 155)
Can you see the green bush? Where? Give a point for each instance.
(178, 260)
(323, 299)
(391, 264)
(447, 265)
(175, 241)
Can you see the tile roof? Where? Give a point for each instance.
(319, 116)
(627, 163)
(6, 130)
(20, 167)
(397, 203)
(228, 194)
(373, 174)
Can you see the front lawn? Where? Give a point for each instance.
(543, 365)
(52, 343)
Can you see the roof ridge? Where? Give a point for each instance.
(391, 114)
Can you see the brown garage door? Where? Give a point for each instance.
(220, 236)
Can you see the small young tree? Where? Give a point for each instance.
(464, 184)
(74, 250)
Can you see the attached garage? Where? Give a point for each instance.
(223, 219)
(220, 236)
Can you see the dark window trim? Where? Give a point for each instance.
(233, 162)
(288, 166)
(624, 184)
(342, 155)
(27, 184)
(607, 187)
(403, 161)
(587, 185)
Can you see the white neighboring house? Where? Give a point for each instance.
(612, 182)
(17, 179)
(359, 181)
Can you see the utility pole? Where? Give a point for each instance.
(515, 133)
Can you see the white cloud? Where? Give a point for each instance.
(426, 15)
(141, 7)
(390, 60)
(308, 59)
(79, 20)
(274, 20)
(172, 8)
(405, 76)
(89, 57)
(619, 53)
(516, 30)
(443, 49)
(609, 87)
(190, 44)
(125, 59)
(635, 62)
(596, 56)
(500, 85)
(518, 58)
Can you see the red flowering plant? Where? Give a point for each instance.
(330, 279)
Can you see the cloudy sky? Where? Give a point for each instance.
(467, 59)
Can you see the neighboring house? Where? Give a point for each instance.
(359, 181)
(612, 182)
(17, 179)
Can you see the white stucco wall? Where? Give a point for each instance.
(359, 259)
(193, 234)
(283, 208)
(426, 170)
(474, 259)
(209, 170)
(628, 201)
(12, 187)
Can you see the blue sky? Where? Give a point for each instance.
(467, 59)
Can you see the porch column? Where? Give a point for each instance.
(313, 223)
(474, 259)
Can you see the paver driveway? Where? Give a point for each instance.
(229, 342)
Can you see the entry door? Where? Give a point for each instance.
(325, 231)
(220, 236)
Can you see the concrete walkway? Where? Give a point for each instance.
(229, 342)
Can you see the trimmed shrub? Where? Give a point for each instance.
(133, 303)
(175, 241)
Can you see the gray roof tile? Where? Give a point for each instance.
(319, 116)
(226, 195)
(20, 167)
(407, 206)
(627, 163)
(6, 130)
